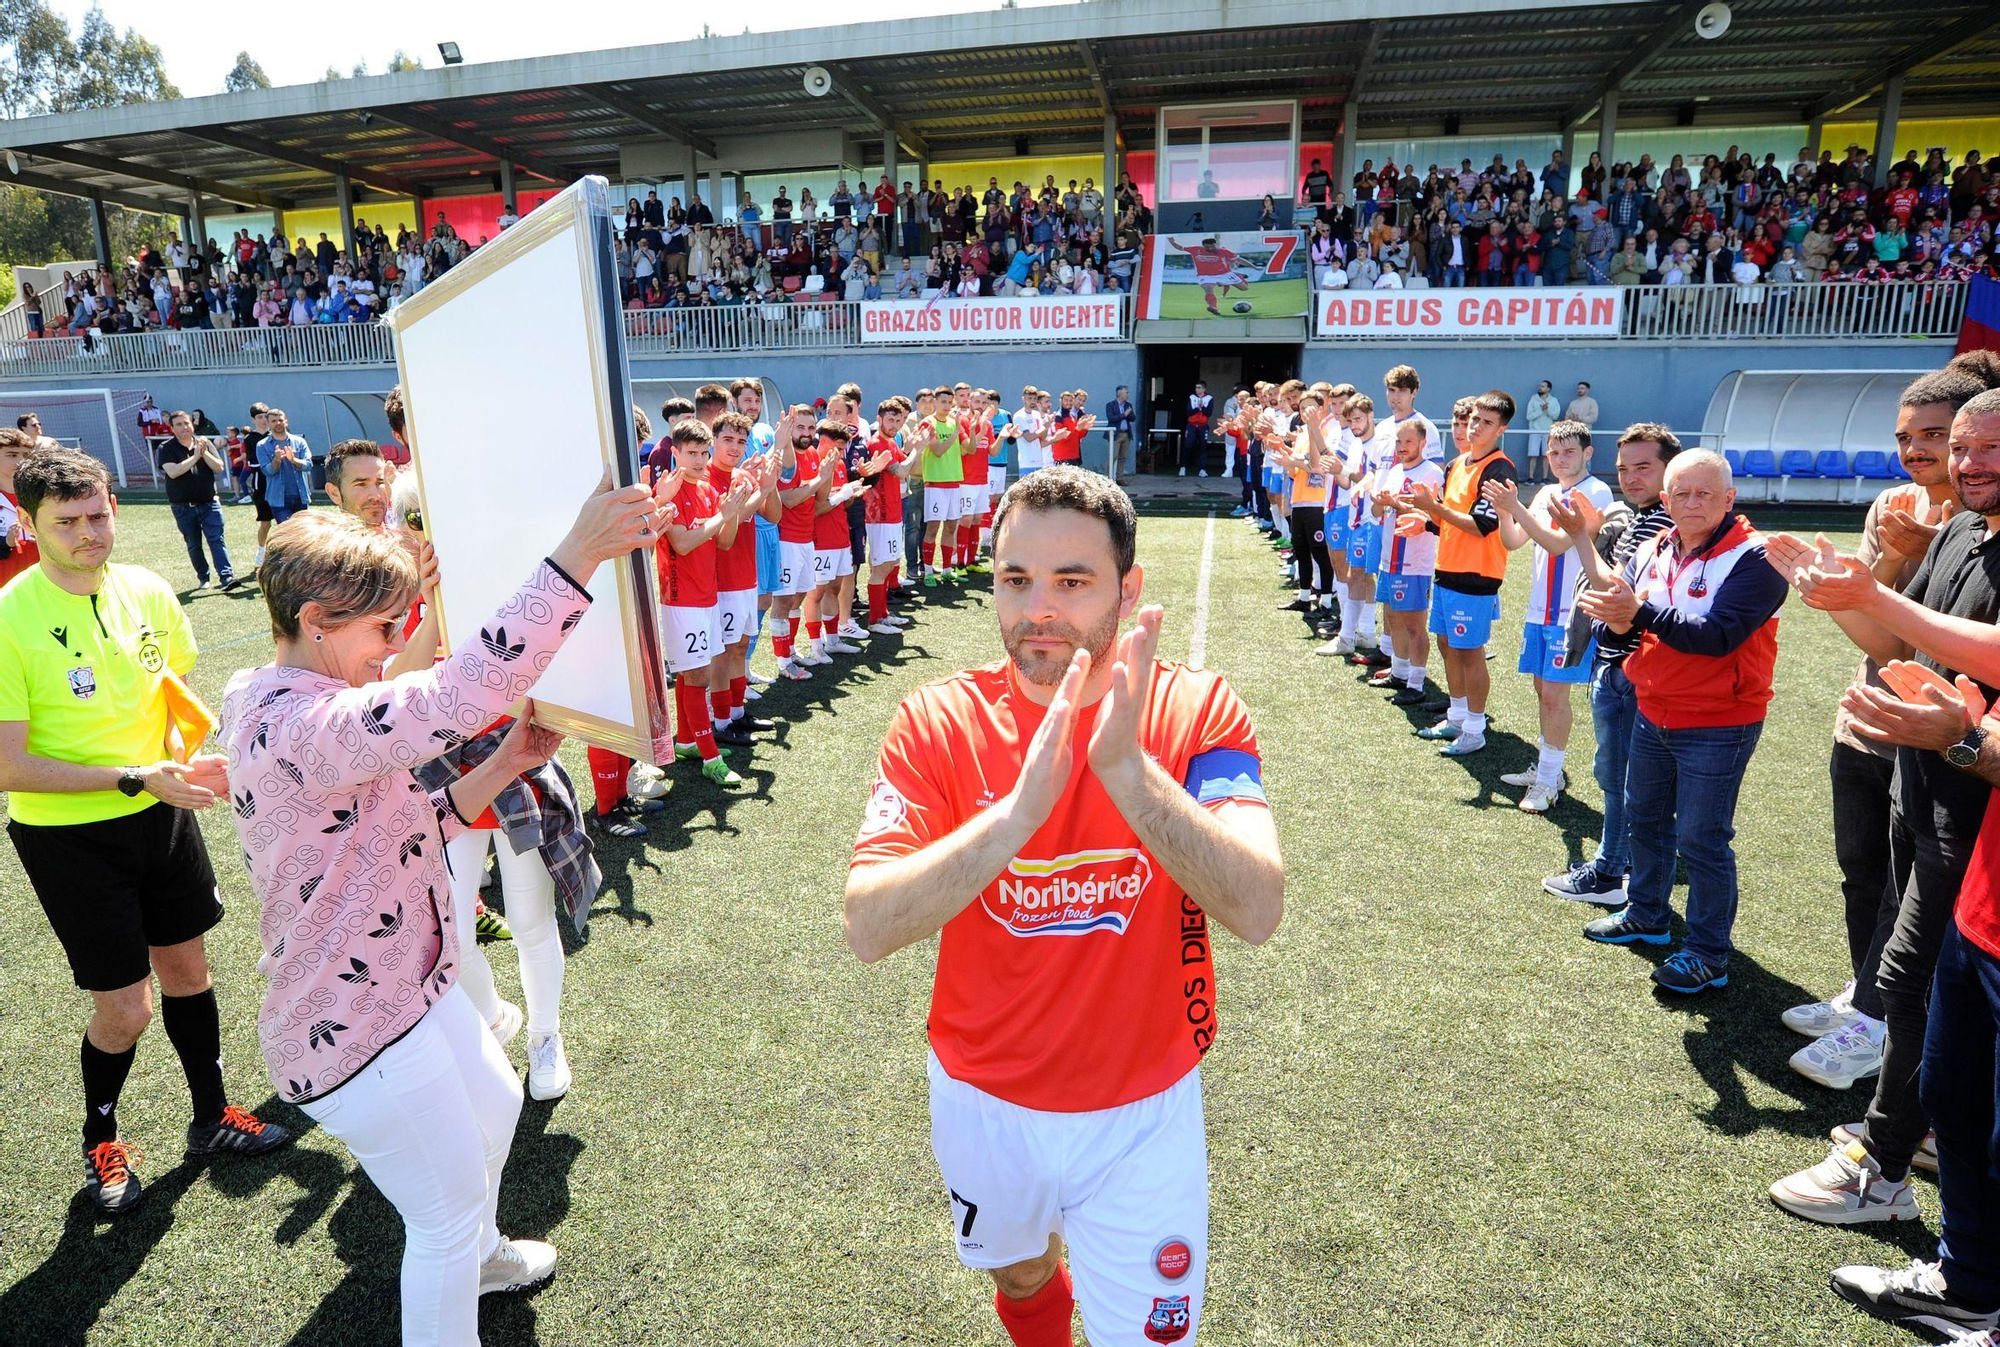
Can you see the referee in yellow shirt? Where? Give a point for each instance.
(100, 812)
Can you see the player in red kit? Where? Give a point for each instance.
(804, 476)
(833, 550)
(885, 516)
(1213, 266)
(691, 625)
(1066, 821)
(975, 433)
(736, 577)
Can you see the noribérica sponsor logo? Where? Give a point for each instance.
(1072, 894)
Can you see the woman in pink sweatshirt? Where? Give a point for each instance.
(364, 1026)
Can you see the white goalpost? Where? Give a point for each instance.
(103, 422)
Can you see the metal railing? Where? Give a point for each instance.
(1839, 311)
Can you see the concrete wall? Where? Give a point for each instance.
(1631, 381)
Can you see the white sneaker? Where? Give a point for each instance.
(1539, 799)
(1183, 472)
(1838, 1059)
(898, 620)
(837, 646)
(508, 1024)
(517, 1265)
(548, 1067)
(1202, 473)
(758, 680)
(1845, 1189)
(816, 657)
(260, 556)
(1527, 778)
(794, 669)
(1822, 1017)
(885, 629)
(850, 631)
(646, 785)
(752, 695)
(1339, 645)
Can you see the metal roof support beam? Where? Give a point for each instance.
(124, 168)
(100, 229)
(507, 185)
(233, 139)
(343, 192)
(629, 105)
(1886, 128)
(1607, 129)
(857, 93)
(1366, 65)
(197, 219)
(1929, 49)
(443, 130)
(1663, 40)
(1096, 72)
(43, 182)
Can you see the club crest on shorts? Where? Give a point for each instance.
(1072, 894)
(1169, 1319)
(1458, 629)
(1173, 1258)
(83, 682)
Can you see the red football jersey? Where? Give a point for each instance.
(977, 432)
(795, 525)
(884, 502)
(736, 564)
(1081, 978)
(830, 530)
(689, 581)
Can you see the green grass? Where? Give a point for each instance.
(1435, 1113)
(1268, 299)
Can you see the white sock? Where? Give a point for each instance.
(1347, 618)
(1475, 724)
(1326, 599)
(1549, 766)
(1415, 680)
(1285, 527)
(1398, 668)
(1387, 644)
(1305, 596)
(1340, 592)
(1457, 714)
(1367, 617)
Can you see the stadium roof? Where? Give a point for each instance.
(971, 85)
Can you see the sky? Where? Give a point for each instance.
(200, 38)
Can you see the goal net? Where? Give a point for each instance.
(103, 422)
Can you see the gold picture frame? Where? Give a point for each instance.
(506, 362)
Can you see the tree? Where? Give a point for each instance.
(401, 63)
(331, 75)
(245, 74)
(114, 68)
(26, 233)
(361, 70)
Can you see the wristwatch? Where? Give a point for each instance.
(130, 783)
(1965, 753)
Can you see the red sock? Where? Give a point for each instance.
(968, 551)
(878, 603)
(719, 699)
(693, 705)
(896, 574)
(607, 774)
(737, 687)
(684, 721)
(1042, 1320)
(812, 629)
(927, 552)
(781, 637)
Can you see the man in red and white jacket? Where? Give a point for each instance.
(1705, 606)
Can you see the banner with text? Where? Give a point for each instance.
(1529, 311)
(1019, 318)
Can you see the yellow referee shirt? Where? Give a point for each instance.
(86, 672)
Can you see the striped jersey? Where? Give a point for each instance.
(1553, 593)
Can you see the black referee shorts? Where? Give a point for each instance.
(115, 887)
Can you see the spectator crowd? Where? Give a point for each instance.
(1728, 220)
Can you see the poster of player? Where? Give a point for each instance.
(1245, 274)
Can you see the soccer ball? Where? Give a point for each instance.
(1242, 306)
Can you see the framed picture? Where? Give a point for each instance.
(516, 402)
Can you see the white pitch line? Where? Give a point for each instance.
(1198, 641)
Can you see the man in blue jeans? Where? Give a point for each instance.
(1704, 604)
(286, 460)
(190, 466)
(1644, 451)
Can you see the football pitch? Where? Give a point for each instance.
(1435, 1113)
(1267, 299)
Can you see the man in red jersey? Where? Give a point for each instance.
(804, 477)
(691, 625)
(833, 552)
(975, 433)
(736, 576)
(885, 516)
(1067, 820)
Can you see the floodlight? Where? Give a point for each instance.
(451, 53)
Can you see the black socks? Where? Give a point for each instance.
(195, 1029)
(103, 1078)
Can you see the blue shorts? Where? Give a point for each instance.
(768, 566)
(1336, 531)
(1404, 593)
(1364, 546)
(1463, 621)
(1545, 651)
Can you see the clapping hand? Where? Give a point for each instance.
(1567, 514)
(1825, 577)
(1114, 744)
(1502, 496)
(1902, 531)
(1421, 497)
(1920, 709)
(1045, 767)
(1614, 604)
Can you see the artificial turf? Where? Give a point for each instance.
(1435, 1113)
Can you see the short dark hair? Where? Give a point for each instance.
(1962, 379)
(58, 474)
(392, 407)
(836, 431)
(673, 407)
(1670, 443)
(21, 421)
(691, 432)
(1495, 400)
(710, 395)
(1069, 488)
(337, 457)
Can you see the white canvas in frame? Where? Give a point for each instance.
(514, 383)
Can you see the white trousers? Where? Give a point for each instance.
(431, 1120)
(531, 912)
